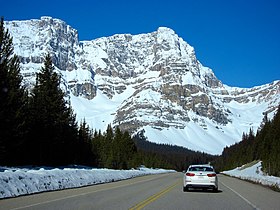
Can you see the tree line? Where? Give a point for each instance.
(264, 146)
(38, 127)
(176, 157)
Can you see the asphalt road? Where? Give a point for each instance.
(152, 192)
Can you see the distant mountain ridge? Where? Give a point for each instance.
(150, 83)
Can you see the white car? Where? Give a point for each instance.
(200, 176)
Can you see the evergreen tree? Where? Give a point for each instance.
(268, 141)
(117, 149)
(54, 124)
(98, 148)
(13, 102)
(129, 151)
(85, 150)
(107, 149)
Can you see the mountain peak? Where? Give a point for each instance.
(163, 29)
(148, 82)
(46, 18)
(167, 34)
(52, 20)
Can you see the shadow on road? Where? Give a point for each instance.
(203, 191)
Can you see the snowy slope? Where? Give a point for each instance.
(23, 181)
(255, 174)
(151, 82)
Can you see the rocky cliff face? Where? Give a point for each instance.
(33, 39)
(156, 78)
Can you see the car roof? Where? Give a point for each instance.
(201, 165)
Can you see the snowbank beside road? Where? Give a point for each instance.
(22, 181)
(255, 174)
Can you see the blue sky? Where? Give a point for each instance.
(239, 40)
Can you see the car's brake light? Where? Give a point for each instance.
(211, 175)
(190, 174)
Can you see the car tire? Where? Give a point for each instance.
(185, 189)
(215, 189)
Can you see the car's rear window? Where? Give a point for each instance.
(201, 168)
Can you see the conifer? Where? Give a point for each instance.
(13, 101)
(54, 124)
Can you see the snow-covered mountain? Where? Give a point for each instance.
(150, 83)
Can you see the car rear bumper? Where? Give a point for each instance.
(206, 186)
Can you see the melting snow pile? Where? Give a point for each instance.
(21, 181)
(255, 174)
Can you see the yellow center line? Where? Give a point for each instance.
(153, 197)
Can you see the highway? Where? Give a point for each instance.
(162, 191)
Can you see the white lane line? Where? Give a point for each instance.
(82, 194)
(245, 199)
